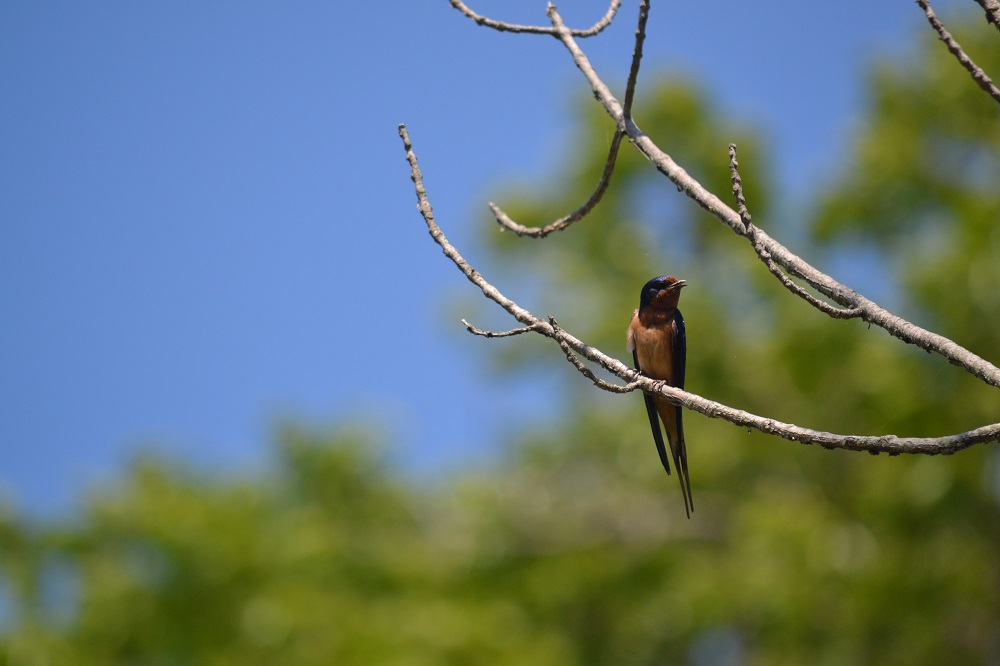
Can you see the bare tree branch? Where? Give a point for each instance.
(575, 216)
(741, 202)
(558, 335)
(491, 292)
(978, 75)
(573, 347)
(751, 233)
(992, 9)
(496, 334)
(503, 26)
(868, 310)
(633, 74)
(609, 166)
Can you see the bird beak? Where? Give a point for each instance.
(680, 283)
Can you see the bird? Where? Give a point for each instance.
(658, 343)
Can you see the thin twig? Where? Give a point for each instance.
(503, 26)
(496, 334)
(557, 335)
(491, 292)
(790, 285)
(873, 444)
(741, 202)
(868, 310)
(633, 74)
(541, 232)
(978, 75)
(750, 231)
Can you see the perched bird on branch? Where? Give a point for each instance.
(658, 344)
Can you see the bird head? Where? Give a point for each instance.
(661, 293)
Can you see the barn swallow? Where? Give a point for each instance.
(658, 344)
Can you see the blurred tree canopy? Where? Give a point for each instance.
(574, 548)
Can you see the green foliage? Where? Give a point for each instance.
(575, 550)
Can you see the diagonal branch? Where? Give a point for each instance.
(575, 216)
(503, 26)
(751, 233)
(496, 334)
(560, 337)
(868, 310)
(633, 74)
(574, 347)
(978, 75)
(609, 166)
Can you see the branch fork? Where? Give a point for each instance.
(779, 261)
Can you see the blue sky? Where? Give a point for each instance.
(208, 225)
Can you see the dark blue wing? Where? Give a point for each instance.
(679, 349)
